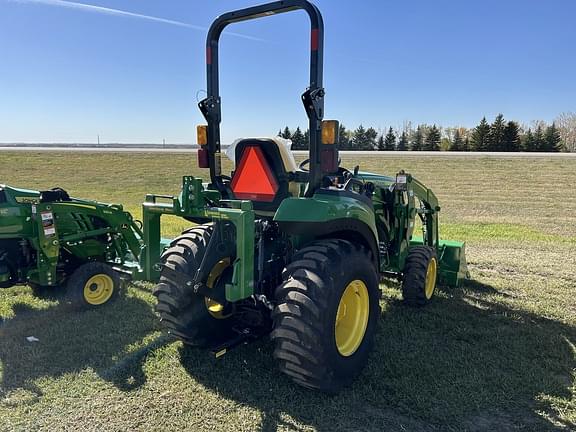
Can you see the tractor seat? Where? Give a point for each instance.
(262, 174)
(54, 195)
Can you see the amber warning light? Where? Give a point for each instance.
(202, 139)
(330, 132)
(202, 135)
(329, 149)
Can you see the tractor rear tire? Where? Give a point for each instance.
(326, 314)
(190, 317)
(420, 276)
(91, 285)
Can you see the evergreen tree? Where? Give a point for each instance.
(499, 136)
(371, 136)
(432, 142)
(480, 136)
(343, 138)
(298, 140)
(403, 142)
(528, 142)
(552, 139)
(457, 144)
(511, 141)
(390, 141)
(539, 141)
(279, 133)
(381, 145)
(286, 133)
(359, 139)
(496, 136)
(418, 140)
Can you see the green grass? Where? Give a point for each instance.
(497, 354)
(485, 231)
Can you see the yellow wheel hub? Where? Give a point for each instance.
(352, 318)
(98, 289)
(430, 283)
(214, 308)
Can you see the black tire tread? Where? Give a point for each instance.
(301, 310)
(170, 297)
(414, 281)
(174, 302)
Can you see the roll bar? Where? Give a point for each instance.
(313, 97)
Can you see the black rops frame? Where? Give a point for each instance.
(313, 97)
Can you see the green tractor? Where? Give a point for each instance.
(49, 240)
(296, 252)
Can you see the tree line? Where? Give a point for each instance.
(498, 136)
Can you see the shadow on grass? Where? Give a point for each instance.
(462, 363)
(71, 341)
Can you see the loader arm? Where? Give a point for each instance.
(429, 211)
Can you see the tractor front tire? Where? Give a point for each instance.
(326, 314)
(91, 285)
(420, 276)
(192, 318)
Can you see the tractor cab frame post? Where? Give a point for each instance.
(313, 97)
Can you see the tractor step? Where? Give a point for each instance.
(245, 335)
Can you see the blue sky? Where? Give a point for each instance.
(70, 73)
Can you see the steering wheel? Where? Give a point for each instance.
(302, 165)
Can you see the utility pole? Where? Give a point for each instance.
(164, 143)
(98, 140)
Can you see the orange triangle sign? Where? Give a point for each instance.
(253, 180)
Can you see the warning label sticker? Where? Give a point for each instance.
(48, 223)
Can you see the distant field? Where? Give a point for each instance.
(496, 354)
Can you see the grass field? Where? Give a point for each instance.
(497, 354)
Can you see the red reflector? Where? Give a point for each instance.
(208, 55)
(329, 160)
(314, 40)
(253, 179)
(203, 158)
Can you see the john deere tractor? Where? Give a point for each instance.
(294, 251)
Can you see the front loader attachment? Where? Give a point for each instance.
(452, 259)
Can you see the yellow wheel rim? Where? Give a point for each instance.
(214, 308)
(98, 289)
(431, 278)
(352, 318)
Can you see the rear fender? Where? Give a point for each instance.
(343, 214)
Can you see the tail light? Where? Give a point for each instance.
(329, 159)
(203, 158)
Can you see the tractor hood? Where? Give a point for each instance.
(378, 179)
